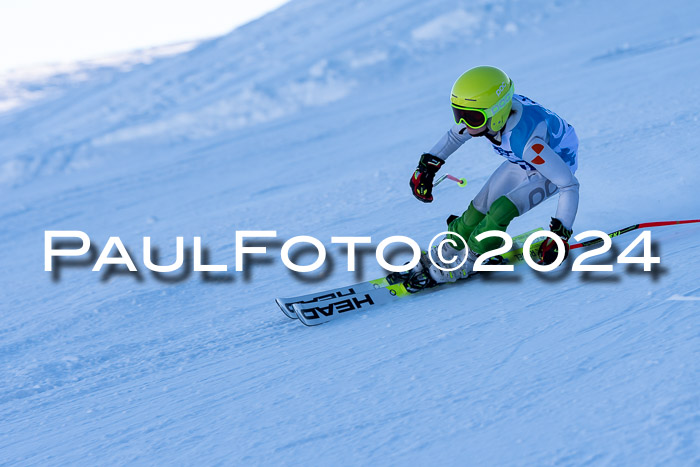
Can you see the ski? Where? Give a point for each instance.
(313, 314)
(369, 294)
(321, 307)
(286, 304)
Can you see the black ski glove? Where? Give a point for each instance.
(422, 179)
(548, 249)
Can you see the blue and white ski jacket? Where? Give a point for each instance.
(535, 139)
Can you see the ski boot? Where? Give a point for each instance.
(415, 279)
(441, 274)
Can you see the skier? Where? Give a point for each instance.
(541, 157)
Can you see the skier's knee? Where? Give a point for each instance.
(464, 225)
(502, 211)
(500, 214)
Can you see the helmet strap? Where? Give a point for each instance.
(495, 138)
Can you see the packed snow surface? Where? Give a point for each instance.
(309, 121)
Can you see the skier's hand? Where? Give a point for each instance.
(549, 249)
(422, 179)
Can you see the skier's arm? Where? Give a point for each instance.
(430, 162)
(548, 163)
(450, 142)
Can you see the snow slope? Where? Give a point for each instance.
(309, 121)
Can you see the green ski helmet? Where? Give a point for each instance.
(480, 94)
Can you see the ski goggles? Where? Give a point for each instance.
(477, 118)
(473, 118)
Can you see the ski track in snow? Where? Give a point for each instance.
(309, 121)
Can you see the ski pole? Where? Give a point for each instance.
(631, 228)
(460, 181)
